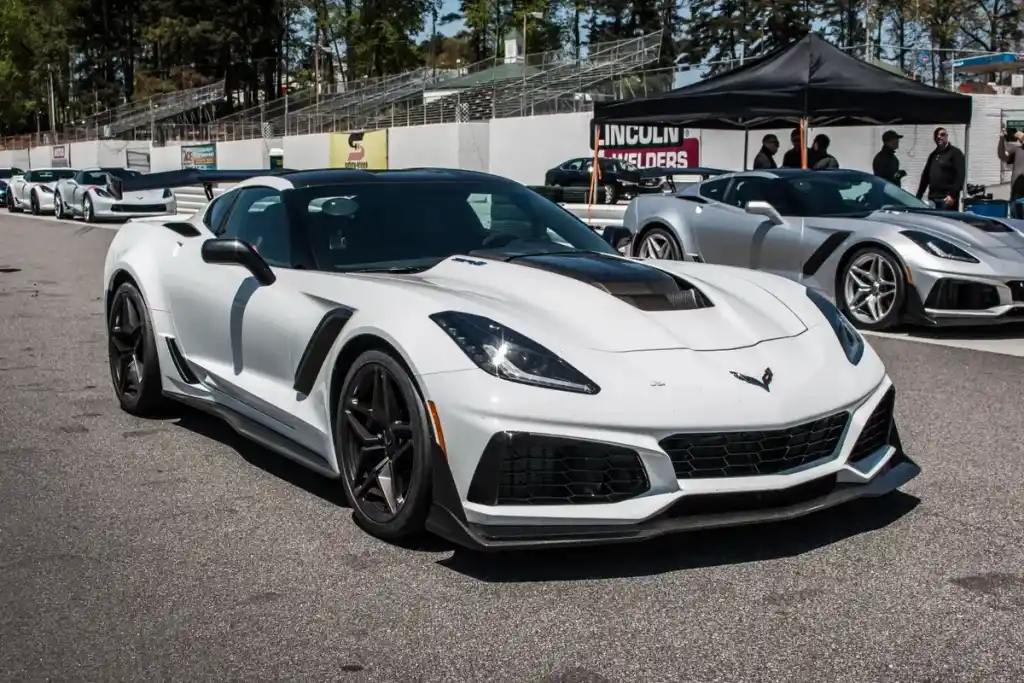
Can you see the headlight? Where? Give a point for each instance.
(849, 337)
(509, 355)
(168, 194)
(45, 189)
(100, 192)
(938, 247)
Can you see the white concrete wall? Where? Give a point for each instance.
(436, 144)
(165, 159)
(523, 148)
(307, 151)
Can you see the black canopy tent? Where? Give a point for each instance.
(809, 83)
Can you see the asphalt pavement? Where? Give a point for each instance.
(173, 550)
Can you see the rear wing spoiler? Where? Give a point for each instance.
(685, 170)
(187, 178)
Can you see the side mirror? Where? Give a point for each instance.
(238, 253)
(765, 209)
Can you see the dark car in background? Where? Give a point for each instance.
(5, 175)
(620, 179)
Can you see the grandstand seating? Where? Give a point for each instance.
(520, 96)
(142, 113)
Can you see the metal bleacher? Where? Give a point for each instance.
(532, 93)
(142, 113)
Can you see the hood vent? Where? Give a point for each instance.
(980, 222)
(639, 285)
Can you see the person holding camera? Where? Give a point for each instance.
(1013, 153)
(886, 165)
(944, 173)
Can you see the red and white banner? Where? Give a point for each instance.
(649, 146)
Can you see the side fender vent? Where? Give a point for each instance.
(180, 364)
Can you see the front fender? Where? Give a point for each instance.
(139, 250)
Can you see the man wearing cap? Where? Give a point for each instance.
(765, 159)
(886, 165)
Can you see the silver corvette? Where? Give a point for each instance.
(884, 256)
(91, 194)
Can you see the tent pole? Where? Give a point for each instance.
(595, 172)
(803, 142)
(746, 145)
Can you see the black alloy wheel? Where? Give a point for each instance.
(383, 443)
(134, 366)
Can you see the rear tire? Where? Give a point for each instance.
(134, 363)
(58, 207)
(383, 441)
(34, 204)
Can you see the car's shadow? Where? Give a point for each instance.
(281, 467)
(671, 553)
(688, 550)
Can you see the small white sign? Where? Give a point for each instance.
(1017, 81)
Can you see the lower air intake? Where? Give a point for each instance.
(877, 429)
(526, 469)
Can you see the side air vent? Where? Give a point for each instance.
(692, 198)
(180, 364)
(634, 282)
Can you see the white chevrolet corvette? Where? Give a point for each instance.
(468, 358)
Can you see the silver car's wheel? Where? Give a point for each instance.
(58, 207)
(872, 289)
(88, 215)
(659, 243)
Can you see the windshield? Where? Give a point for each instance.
(831, 193)
(417, 224)
(48, 175)
(6, 173)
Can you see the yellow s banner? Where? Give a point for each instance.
(363, 150)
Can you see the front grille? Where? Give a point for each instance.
(527, 469)
(138, 208)
(877, 429)
(957, 295)
(1016, 290)
(749, 454)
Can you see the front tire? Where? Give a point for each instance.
(659, 243)
(872, 289)
(383, 441)
(58, 207)
(88, 213)
(134, 363)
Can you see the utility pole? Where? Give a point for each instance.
(53, 115)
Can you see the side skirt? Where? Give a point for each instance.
(258, 433)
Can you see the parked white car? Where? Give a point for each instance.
(34, 190)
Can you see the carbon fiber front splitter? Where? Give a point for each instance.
(446, 520)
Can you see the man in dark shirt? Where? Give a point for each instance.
(765, 159)
(886, 165)
(821, 157)
(944, 173)
(791, 159)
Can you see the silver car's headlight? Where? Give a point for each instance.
(849, 338)
(45, 190)
(508, 355)
(938, 247)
